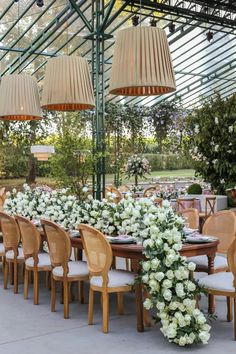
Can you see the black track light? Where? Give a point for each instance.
(209, 35)
(135, 20)
(171, 27)
(40, 3)
(153, 22)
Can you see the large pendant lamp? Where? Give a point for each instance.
(67, 84)
(19, 98)
(141, 63)
(42, 152)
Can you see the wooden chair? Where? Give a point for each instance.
(185, 203)
(222, 225)
(224, 284)
(210, 205)
(158, 202)
(124, 189)
(150, 191)
(116, 192)
(99, 257)
(34, 260)
(13, 253)
(191, 215)
(63, 270)
(2, 197)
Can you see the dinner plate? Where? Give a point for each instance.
(121, 239)
(200, 239)
(74, 233)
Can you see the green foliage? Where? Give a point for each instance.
(213, 141)
(72, 164)
(195, 188)
(161, 162)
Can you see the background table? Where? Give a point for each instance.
(221, 200)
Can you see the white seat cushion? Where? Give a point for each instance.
(44, 261)
(117, 278)
(10, 254)
(222, 281)
(202, 261)
(76, 268)
(2, 249)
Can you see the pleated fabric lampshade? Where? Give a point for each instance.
(141, 63)
(42, 152)
(19, 98)
(67, 84)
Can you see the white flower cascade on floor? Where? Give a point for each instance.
(165, 272)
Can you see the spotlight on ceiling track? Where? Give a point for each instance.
(40, 3)
(171, 27)
(209, 35)
(153, 22)
(135, 20)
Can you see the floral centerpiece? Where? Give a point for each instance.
(165, 273)
(137, 166)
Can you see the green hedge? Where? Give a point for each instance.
(160, 162)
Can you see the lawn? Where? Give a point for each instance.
(18, 182)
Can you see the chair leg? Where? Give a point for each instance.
(15, 277)
(120, 303)
(234, 319)
(229, 309)
(105, 311)
(48, 282)
(36, 287)
(11, 270)
(62, 293)
(66, 299)
(81, 292)
(53, 294)
(3, 263)
(26, 284)
(91, 306)
(6, 272)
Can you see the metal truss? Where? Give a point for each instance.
(221, 13)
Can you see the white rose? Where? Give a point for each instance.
(182, 341)
(204, 336)
(146, 266)
(167, 294)
(191, 266)
(167, 284)
(148, 304)
(159, 276)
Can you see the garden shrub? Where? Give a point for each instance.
(195, 188)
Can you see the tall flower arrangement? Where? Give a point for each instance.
(165, 273)
(137, 166)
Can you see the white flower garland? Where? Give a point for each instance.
(164, 272)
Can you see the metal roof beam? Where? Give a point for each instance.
(185, 12)
(28, 28)
(81, 15)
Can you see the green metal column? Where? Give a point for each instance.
(98, 82)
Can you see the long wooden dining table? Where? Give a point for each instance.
(134, 252)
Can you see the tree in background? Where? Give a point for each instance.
(213, 141)
(16, 139)
(166, 121)
(72, 164)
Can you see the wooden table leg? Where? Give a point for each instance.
(139, 307)
(138, 297)
(211, 300)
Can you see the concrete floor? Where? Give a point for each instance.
(29, 329)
